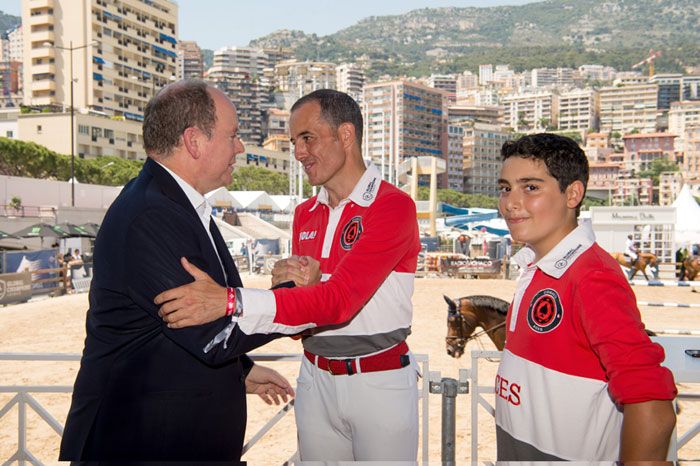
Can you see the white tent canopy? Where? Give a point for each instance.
(254, 200)
(687, 218)
(222, 198)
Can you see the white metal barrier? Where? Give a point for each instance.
(23, 399)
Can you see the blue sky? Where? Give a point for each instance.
(218, 23)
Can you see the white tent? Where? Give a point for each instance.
(687, 219)
(222, 198)
(254, 200)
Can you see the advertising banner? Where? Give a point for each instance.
(15, 287)
(23, 261)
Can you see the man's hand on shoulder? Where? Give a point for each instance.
(268, 384)
(196, 303)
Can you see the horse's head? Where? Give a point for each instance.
(460, 325)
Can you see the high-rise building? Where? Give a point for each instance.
(578, 110)
(238, 71)
(296, 79)
(536, 111)
(628, 107)
(446, 83)
(552, 77)
(189, 60)
(15, 40)
(350, 79)
(485, 74)
(669, 89)
(455, 157)
(403, 120)
(482, 157)
(122, 53)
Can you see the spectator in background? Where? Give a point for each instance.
(463, 243)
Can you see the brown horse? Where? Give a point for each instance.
(470, 312)
(645, 259)
(692, 267)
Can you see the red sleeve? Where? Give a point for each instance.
(615, 331)
(390, 233)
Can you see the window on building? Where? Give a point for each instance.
(83, 129)
(9, 134)
(38, 129)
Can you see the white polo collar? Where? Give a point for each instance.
(559, 259)
(363, 194)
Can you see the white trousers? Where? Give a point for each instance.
(362, 417)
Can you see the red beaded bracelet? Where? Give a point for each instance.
(230, 301)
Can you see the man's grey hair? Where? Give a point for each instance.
(175, 108)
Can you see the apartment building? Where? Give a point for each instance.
(626, 108)
(455, 157)
(238, 72)
(446, 83)
(96, 135)
(482, 156)
(403, 120)
(669, 89)
(273, 160)
(485, 113)
(531, 111)
(670, 184)
(485, 74)
(15, 40)
(642, 149)
(123, 51)
(633, 191)
(683, 115)
(578, 110)
(691, 156)
(691, 88)
(552, 77)
(350, 79)
(190, 63)
(296, 78)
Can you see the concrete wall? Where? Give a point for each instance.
(57, 194)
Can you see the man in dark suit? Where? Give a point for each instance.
(144, 391)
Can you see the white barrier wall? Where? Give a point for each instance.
(51, 193)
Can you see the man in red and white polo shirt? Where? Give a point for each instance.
(357, 396)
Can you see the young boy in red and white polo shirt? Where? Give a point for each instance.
(579, 378)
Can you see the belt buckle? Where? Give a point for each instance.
(348, 366)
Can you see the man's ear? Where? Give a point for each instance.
(574, 194)
(346, 134)
(192, 139)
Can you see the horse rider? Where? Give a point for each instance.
(632, 250)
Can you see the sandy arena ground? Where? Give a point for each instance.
(56, 325)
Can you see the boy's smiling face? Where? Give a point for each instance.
(535, 209)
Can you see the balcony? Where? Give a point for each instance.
(43, 36)
(46, 68)
(38, 20)
(42, 52)
(43, 85)
(41, 4)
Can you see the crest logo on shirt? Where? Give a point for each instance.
(368, 194)
(545, 311)
(351, 233)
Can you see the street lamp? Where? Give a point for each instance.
(70, 48)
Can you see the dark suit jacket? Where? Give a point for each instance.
(146, 392)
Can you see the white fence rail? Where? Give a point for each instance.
(24, 400)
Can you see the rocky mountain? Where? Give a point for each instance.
(8, 22)
(440, 37)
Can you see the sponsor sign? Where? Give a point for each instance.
(15, 287)
(472, 265)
